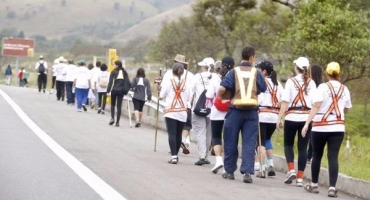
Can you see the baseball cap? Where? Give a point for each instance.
(41, 57)
(218, 64)
(266, 65)
(207, 62)
(333, 67)
(302, 62)
(228, 61)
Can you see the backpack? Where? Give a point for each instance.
(104, 80)
(200, 107)
(41, 68)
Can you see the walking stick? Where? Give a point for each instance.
(129, 111)
(157, 116)
(259, 151)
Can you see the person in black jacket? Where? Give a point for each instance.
(142, 93)
(119, 85)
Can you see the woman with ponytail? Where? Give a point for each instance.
(176, 94)
(269, 106)
(219, 109)
(296, 105)
(118, 86)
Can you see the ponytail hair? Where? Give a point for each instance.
(305, 78)
(178, 69)
(120, 67)
(334, 75)
(273, 77)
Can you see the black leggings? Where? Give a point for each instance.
(102, 99)
(290, 130)
(267, 129)
(53, 82)
(138, 104)
(334, 141)
(217, 126)
(116, 98)
(174, 129)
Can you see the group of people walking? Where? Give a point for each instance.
(228, 99)
(88, 85)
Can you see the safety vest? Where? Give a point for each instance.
(333, 106)
(299, 98)
(177, 99)
(245, 87)
(275, 107)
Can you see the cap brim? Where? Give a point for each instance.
(181, 62)
(203, 64)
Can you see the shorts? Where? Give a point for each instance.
(138, 104)
(188, 125)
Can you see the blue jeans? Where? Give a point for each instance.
(70, 94)
(81, 96)
(245, 121)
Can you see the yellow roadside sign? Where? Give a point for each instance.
(112, 57)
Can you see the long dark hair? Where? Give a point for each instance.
(227, 64)
(140, 73)
(316, 74)
(119, 67)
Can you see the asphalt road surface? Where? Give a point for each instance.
(85, 158)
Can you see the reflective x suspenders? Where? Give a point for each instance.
(300, 97)
(333, 106)
(275, 107)
(177, 99)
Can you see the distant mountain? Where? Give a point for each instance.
(94, 20)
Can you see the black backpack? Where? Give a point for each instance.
(41, 68)
(200, 107)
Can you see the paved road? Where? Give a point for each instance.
(123, 157)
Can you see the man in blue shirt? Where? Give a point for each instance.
(241, 119)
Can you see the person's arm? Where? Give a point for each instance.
(315, 108)
(111, 80)
(261, 84)
(227, 83)
(148, 90)
(285, 98)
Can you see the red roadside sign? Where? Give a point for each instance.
(18, 47)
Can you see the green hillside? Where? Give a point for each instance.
(96, 20)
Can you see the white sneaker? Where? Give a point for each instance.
(290, 177)
(299, 182)
(217, 167)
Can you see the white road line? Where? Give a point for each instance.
(96, 183)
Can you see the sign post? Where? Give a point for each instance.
(112, 57)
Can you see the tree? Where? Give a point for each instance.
(183, 37)
(219, 18)
(324, 31)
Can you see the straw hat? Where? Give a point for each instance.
(181, 59)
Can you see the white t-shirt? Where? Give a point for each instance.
(212, 89)
(59, 69)
(95, 72)
(200, 85)
(70, 72)
(83, 76)
(166, 80)
(323, 94)
(45, 66)
(291, 91)
(102, 75)
(265, 100)
(168, 92)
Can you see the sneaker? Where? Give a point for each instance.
(247, 178)
(229, 176)
(117, 124)
(102, 112)
(184, 149)
(299, 182)
(99, 110)
(271, 171)
(311, 189)
(111, 122)
(84, 107)
(79, 110)
(137, 124)
(173, 161)
(201, 162)
(217, 167)
(332, 192)
(262, 174)
(290, 177)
